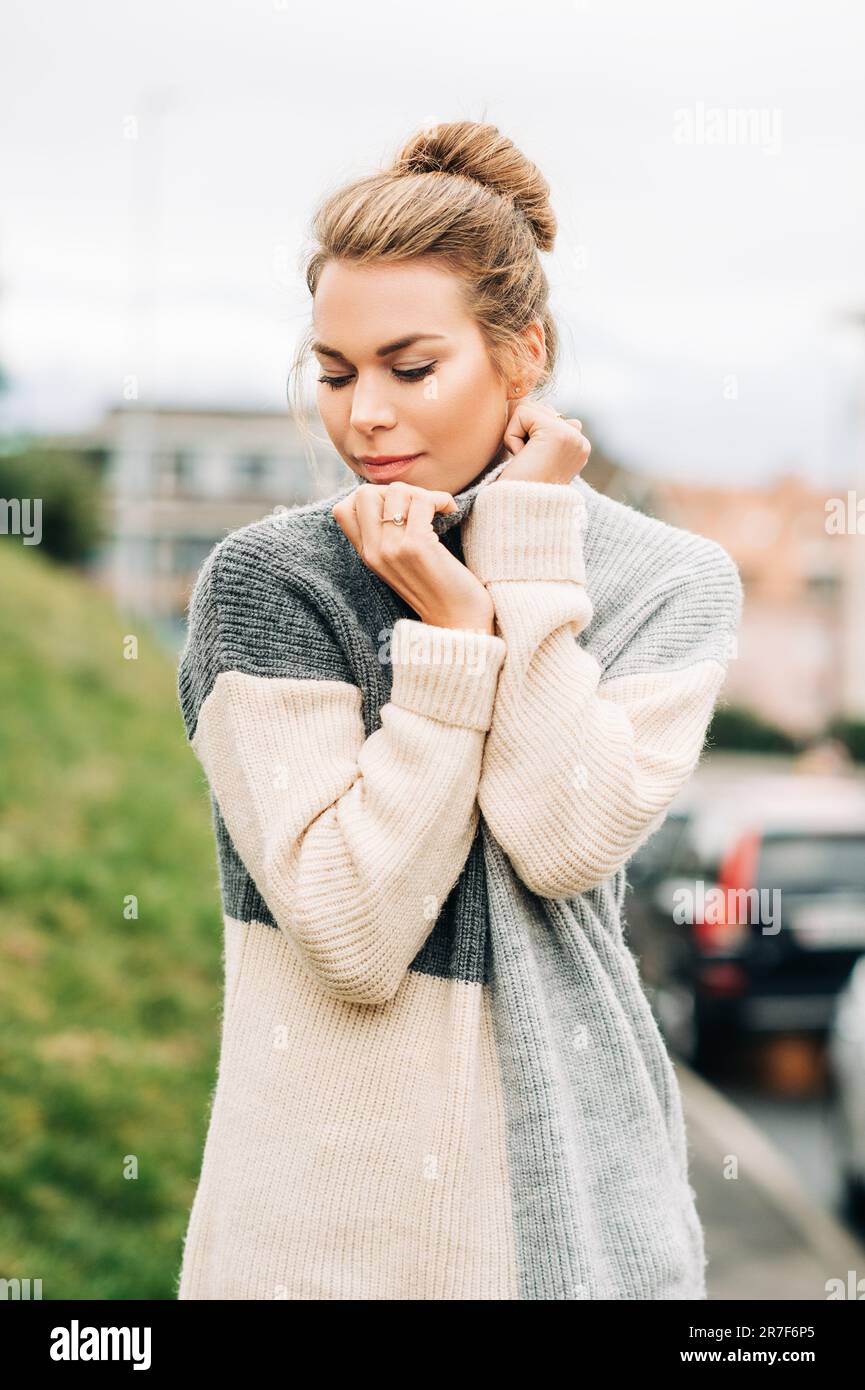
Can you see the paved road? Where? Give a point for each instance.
(765, 1236)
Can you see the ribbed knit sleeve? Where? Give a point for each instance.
(581, 762)
(353, 842)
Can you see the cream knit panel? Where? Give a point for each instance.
(353, 1153)
(354, 843)
(576, 774)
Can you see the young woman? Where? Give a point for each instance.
(437, 714)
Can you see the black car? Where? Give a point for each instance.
(746, 910)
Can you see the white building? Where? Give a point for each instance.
(180, 479)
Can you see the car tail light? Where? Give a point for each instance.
(726, 928)
(723, 980)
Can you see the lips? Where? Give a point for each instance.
(386, 458)
(387, 467)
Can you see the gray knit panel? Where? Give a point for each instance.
(251, 612)
(663, 598)
(595, 1132)
(596, 1141)
(201, 655)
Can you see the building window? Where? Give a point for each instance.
(175, 472)
(190, 552)
(252, 472)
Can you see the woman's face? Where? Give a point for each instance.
(438, 397)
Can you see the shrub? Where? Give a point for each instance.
(733, 727)
(69, 487)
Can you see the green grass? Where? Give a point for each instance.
(109, 1027)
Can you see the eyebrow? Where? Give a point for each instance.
(385, 351)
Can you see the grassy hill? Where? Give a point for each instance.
(109, 1027)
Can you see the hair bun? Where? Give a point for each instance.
(480, 152)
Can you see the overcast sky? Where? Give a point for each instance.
(160, 164)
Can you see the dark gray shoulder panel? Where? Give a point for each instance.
(257, 607)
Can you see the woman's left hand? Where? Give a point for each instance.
(556, 449)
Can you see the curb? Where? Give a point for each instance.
(768, 1169)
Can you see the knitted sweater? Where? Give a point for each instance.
(439, 1074)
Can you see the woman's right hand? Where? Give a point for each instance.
(411, 558)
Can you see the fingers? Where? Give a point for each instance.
(416, 508)
(529, 416)
(526, 418)
(362, 515)
(517, 428)
(397, 499)
(368, 503)
(585, 446)
(346, 518)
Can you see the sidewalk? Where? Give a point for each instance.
(765, 1236)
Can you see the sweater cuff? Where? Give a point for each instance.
(525, 530)
(449, 674)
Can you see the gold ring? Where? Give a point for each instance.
(398, 519)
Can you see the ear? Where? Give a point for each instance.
(535, 350)
(526, 359)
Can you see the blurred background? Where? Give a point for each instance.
(160, 167)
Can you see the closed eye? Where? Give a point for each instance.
(406, 374)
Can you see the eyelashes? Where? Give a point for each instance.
(410, 374)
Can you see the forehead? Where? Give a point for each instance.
(370, 305)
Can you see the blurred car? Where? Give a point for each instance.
(747, 909)
(847, 1071)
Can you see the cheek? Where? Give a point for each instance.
(467, 420)
(330, 407)
(470, 393)
(480, 404)
(333, 416)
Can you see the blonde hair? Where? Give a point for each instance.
(461, 195)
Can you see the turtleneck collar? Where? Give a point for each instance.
(443, 521)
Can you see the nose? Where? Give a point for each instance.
(371, 406)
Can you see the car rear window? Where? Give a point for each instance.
(813, 863)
